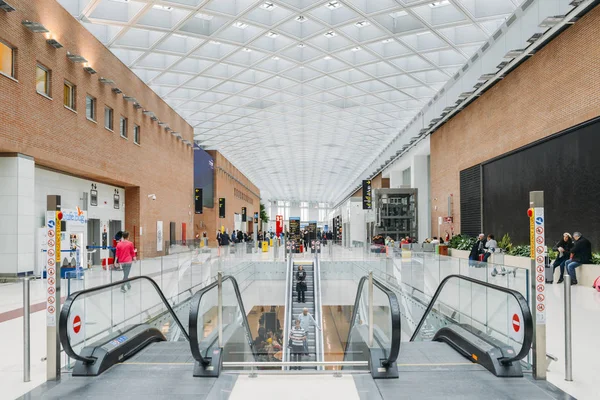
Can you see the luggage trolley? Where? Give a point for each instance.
(503, 270)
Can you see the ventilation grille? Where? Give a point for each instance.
(526, 5)
(470, 201)
(511, 20)
(497, 34)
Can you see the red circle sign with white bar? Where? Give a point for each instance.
(76, 324)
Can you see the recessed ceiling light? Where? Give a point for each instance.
(301, 45)
(160, 7)
(439, 3)
(301, 18)
(205, 17)
(327, 58)
(272, 35)
(275, 58)
(332, 5)
(331, 34)
(398, 14)
(240, 24)
(362, 24)
(247, 50)
(215, 42)
(356, 49)
(267, 5)
(388, 40)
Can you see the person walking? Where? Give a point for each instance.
(306, 319)
(563, 247)
(581, 253)
(297, 338)
(125, 255)
(301, 284)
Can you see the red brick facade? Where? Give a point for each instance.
(67, 141)
(557, 88)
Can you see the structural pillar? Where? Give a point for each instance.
(420, 179)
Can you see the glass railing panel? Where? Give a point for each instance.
(207, 322)
(357, 343)
(236, 335)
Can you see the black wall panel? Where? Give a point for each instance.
(566, 167)
(470, 201)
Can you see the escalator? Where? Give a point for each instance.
(102, 326)
(454, 327)
(211, 345)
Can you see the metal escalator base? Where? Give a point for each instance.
(159, 371)
(433, 370)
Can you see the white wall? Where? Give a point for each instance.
(71, 190)
(357, 222)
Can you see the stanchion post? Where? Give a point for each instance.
(26, 331)
(568, 337)
(370, 309)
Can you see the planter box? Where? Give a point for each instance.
(464, 254)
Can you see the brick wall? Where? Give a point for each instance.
(67, 141)
(228, 179)
(555, 89)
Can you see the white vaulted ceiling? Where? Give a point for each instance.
(300, 95)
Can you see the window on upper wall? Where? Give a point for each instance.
(90, 107)
(7, 60)
(136, 134)
(108, 118)
(69, 92)
(123, 127)
(42, 80)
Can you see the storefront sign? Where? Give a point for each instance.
(366, 195)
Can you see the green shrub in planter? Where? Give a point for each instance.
(506, 243)
(520, 251)
(596, 258)
(462, 242)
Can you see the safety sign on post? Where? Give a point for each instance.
(540, 265)
(51, 268)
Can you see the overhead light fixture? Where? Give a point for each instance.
(398, 14)
(439, 3)
(514, 53)
(154, 118)
(205, 17)
(106, 81)
(301, 18)
(576, 3)
(117, 90)
(327, 58)
(330, 34)
(272, 35)
(357, 49)
(137, 106)
(129, 99)
(464, 95)
(76, 58)
(386, 41)
(240, 25)
(148, 112)
(215, 42)
(34, 27)
(6, 7)
(275, 58)
(333, 5)
(534, 37)
(54, 43)
(87, 68)
(247, 50)
(121, 1)
(549, 22)
(362, 24)
(163, 124)
(301, 45)
(162, 8)
(486, 77)
(267, 5)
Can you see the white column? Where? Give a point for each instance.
(17, 232)
(420, 180)
(396, 179)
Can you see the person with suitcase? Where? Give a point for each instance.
(563, 247)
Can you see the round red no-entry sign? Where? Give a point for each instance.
(516, 323)
(76, 324)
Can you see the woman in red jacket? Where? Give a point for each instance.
(125, 255)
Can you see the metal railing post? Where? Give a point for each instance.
(568, 337)
(26, 331)
(220, 307)
(370, 308)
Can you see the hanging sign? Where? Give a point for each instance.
(366, 195)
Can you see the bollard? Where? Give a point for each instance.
(568, 337)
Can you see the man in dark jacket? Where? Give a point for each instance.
(240, 236)
(581, 253)
(477, 249)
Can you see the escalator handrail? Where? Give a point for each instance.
(395, 314)
(195, 311)
(521, 301)
(287, 320)
(66, 309)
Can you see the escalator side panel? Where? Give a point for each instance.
(116, 349)
(481, 351)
